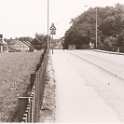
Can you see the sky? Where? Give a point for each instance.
(26, 17)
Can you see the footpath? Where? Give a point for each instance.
(47, 113)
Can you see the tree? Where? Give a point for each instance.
(110, 27)
(29, 39)
(40, 41)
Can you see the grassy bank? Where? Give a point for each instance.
(15, 71)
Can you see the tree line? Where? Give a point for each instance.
(110, 29)
(38, 42)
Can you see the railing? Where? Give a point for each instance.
(28, 116)
(34, 100)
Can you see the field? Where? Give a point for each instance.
(15, 71)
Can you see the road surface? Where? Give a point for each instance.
(89, 86)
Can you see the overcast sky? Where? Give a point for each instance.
(26, 17)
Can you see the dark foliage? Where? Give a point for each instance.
(110, 28)
(40, 41)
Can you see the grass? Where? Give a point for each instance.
(15, 71)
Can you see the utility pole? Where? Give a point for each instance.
(96, 27)
(48, 44)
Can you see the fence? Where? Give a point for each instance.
(33, 102)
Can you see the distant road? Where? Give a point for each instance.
(90, 86)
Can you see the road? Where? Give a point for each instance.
(89, 86)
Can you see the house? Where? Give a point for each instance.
(31, 48)
(20, 46)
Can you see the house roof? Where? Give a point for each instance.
(12, 44)
(28, 44)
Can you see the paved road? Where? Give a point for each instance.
(88, 88)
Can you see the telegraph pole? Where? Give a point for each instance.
(48, 45)
(96, 27)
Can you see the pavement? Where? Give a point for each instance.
(77, 100)
(47, 112)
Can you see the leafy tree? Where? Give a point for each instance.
(110, 28)
(29, 39)
(40, 41)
